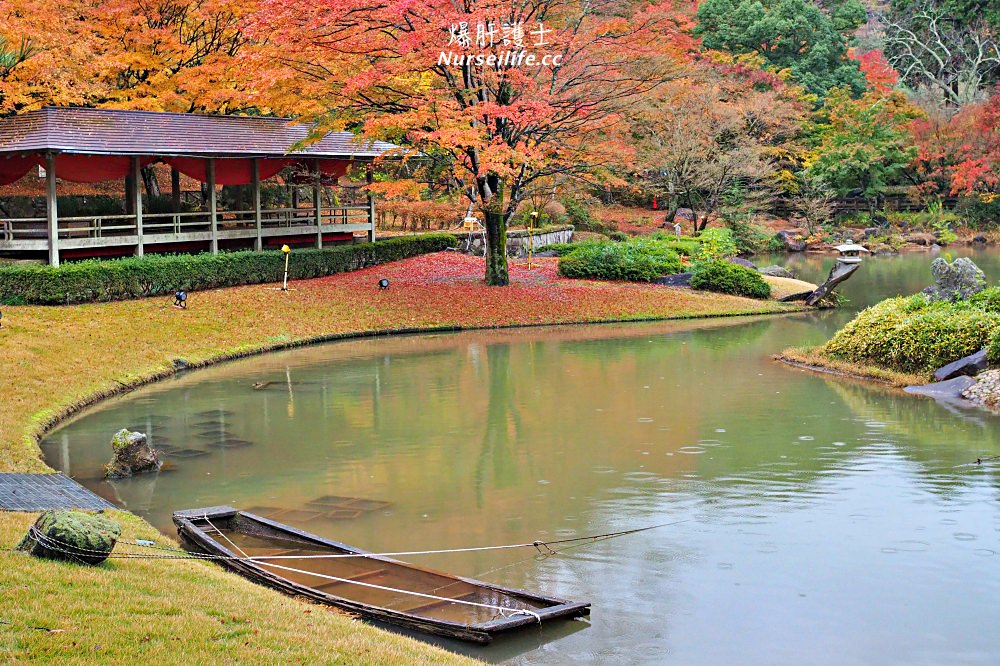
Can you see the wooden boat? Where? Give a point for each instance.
(392, 591)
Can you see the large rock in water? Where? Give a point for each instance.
(955, 281)
(131, 455)
(740, 261)
(971, 366)
(777, 271)
(71, 535)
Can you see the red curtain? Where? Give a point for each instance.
(13, 168)
(74, 168)
(334, 168)
(92, 168)
(99, 168)
(228, 170)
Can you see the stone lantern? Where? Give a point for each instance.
(850, 253)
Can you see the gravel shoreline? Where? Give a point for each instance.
(986, 390)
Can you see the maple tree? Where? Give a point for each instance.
(960, 154)
(168, 55)
(878, 73)
(729, 125)
(438, 78)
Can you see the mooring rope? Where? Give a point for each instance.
(543, 548)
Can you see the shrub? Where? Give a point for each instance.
(577, 212)
(981, 211)
(637, 260)
(716, 243)
(912, 334)
(987, 300)
(687, 247)
(155, 275)
(728, 278)
(618, 236)
(560, 249)
(748, 236)
(993, 350)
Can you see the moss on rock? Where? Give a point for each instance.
(73, 536)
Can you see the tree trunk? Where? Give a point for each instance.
(150, 182)
(496, 249)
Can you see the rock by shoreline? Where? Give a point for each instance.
(986, 390)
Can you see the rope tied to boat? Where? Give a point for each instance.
(544, 550)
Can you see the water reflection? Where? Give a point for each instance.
(825, 521)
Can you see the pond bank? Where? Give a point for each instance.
(61, 359)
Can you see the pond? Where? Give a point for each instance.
(812, 519)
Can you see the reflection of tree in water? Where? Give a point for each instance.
(724, 338)
(502, 416)
(939, 442)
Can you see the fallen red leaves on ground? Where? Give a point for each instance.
(448, 289)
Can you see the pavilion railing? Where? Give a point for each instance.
(24, 228)
(111, 226)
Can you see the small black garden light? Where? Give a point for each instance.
(383, 284)
(181, 299)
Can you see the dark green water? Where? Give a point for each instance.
(824, 521)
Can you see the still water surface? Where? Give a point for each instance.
(818, 520)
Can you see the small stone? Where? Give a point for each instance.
(73, 536)
(979, 239)
(180, 364)
(924, 239)
(676, 280)
(131, 455)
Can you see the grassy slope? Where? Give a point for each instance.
(160, 612)
(57, 358)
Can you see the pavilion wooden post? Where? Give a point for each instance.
(52, 208)
(137, 205)
(370, 178)
(318, 203)
(213, 212)
(175, 189)
(257, 219)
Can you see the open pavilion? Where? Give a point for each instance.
(97, 145)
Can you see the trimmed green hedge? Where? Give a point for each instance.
(637, 260)
(156, 275)
(728, 278)
(911, 334)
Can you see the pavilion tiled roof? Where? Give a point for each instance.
(118, 132)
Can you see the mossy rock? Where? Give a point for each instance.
(132, 455)
(73, 536)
